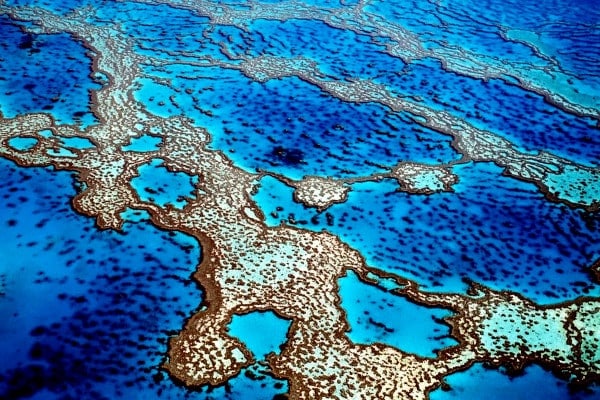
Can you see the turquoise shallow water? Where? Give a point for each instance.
(157, 184)
(86, 313)
(376, 316)
(263, 332)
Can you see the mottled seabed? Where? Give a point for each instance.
(299, 199)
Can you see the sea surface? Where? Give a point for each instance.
(86, 313)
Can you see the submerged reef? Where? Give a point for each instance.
(192, 104)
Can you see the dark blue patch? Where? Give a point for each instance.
(44, 73)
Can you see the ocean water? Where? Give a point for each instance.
(281, 137)
(31, 84)
(325, 45)
(526, 119)
(492, 229)
(143, 144)
(155, 183)
(263, 332)
(376, 316)
(533, 384)
(87, 313)
(557, 34)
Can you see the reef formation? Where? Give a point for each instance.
(248, 265)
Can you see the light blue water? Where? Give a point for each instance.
(262, 332)
(22, 143)
(77, 143)
(160, 186)
(143, 144)
(377, 316)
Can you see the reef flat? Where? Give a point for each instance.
(333, 171)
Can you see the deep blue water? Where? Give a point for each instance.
(59, 7)
(288, 126)
(256, 137)
(161, 28)
(338, 53)
(452, 23)
(564, 29)
(523, 118)
(534, 384)
(29, 83)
